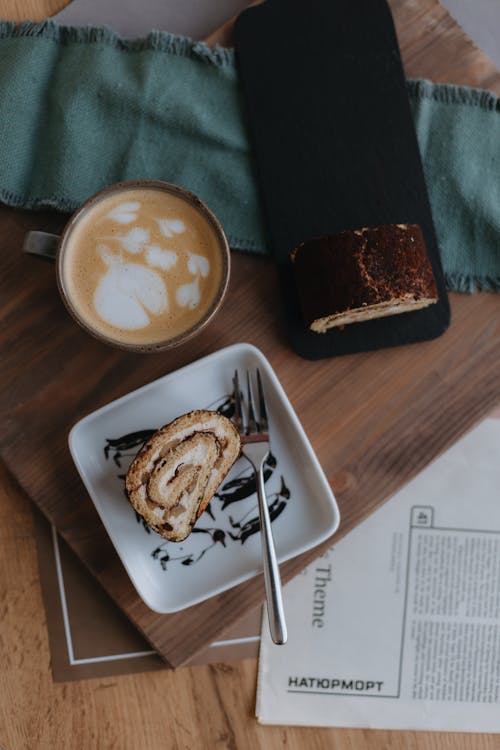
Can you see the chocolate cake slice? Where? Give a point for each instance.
(363, 274)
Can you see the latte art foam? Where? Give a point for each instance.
(142, 266)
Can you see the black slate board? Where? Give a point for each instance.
(335, 146)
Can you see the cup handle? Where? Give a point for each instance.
(42, 244)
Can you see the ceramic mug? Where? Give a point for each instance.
(142, 265)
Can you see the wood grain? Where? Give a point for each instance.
(32, 10)
(194, 708)
(374, 419)
(213, 706)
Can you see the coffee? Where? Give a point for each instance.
(143, 265)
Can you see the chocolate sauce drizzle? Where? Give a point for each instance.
(237, 528)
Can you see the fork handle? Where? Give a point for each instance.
(272, 580)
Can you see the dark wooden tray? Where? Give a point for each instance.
(374, 419)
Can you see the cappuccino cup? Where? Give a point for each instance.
(142, 265)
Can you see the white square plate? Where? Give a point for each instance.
(224, 548)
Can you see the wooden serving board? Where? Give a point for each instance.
(374, 419)
(335, 148)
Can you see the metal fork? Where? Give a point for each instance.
(254, 435)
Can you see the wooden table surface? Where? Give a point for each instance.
(195, 707)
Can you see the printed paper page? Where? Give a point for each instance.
(398, 624)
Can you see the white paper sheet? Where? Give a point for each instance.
(398, 625)
(196, 18)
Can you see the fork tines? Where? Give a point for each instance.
(253, 424)
(264, 426)
(238, 416)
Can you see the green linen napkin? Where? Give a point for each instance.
(82, 108)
